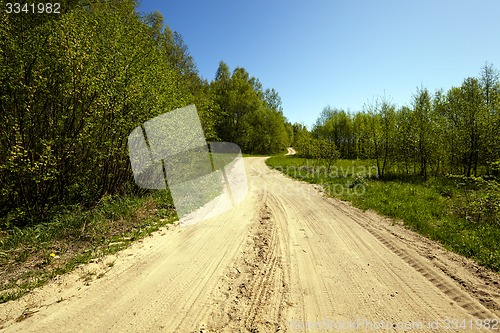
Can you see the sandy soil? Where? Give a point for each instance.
(287, 259)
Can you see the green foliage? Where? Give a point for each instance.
(247, 115)
(479, 199)
(336, 126)
(75, 85)
(318, 149)
(451, 132)
(69, 108)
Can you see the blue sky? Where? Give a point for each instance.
(339, 53)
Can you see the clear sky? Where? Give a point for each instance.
(339, 53)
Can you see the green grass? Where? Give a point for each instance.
(436, 207)
(31, 256)
(254, 155)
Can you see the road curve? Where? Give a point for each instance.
(287, 259)
(290, 151)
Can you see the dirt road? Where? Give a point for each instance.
(290, 151)
(287, 259)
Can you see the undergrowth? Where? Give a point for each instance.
(32, 255)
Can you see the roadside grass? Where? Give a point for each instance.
(253, 155)
(31, 256)
(443, 209)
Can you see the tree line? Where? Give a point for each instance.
(74, 85)
(448, 132)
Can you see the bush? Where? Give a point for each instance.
(495, 168)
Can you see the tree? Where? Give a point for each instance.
(70, 99)
(289, 133)
(382, 126)
(405, 138)
(326, 151)
(220, 95)
(336, 126)
(423, 126)
(247, 115)
(301, 137)
(361, 136)
(439, 132)
(474, 112)
(490, 85)
(489, 82)
(466, 118)
(450, 132)
(273, 100)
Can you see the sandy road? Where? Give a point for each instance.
(290, 151)
(287, 259)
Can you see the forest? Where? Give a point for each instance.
(446, 132)
(75, 84)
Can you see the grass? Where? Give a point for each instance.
(442, 208)
(31, 256)
(254, 155)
